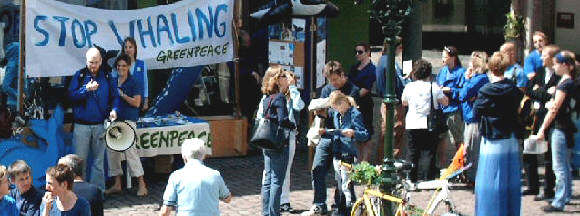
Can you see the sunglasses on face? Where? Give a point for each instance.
(359, 52)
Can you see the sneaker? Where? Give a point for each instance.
(315, 210)
(285, 207)
(551, 208)
(544, 196)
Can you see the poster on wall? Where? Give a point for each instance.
(281, 52)
(184, 34)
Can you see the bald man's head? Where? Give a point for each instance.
(509, 48)
(94, 59)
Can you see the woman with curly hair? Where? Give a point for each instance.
(274, 108)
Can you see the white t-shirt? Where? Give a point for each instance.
(419, 100)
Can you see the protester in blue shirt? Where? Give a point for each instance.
(27, 197)
(130, 90)
(83, 189)
(362, 74)
(94, 96)
(399, 84)
(450, 79)
(534, 62)
(7, 203)
(59, 198)
(348, 130)
(514, 72)
(138, 69)
(10, 82)
(195, 189)
(474, 79)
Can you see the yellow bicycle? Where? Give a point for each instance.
(371, 203)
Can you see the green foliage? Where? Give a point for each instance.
(514, 27)
(366, 174)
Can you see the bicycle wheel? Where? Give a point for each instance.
(359, 209)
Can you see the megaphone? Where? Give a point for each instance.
(120, 136)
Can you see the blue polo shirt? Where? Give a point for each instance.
(533, 62)
(93, 107)
(452, 79)
(8, 206)
(363, 78)
(517, 75)
(131, 87)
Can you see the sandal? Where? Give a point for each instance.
(113, 190)
(142, 192)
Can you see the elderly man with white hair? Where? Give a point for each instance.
(94, 97)
(194, 189)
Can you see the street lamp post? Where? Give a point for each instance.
(390, 14)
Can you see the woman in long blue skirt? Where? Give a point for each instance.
(497, 183)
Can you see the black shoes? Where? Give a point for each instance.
(544, 196)
(530, 192)
(550, 208)
(285, 207)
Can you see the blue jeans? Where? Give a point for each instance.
(275, 163)
(88, 139)
(561, 166)
(320, 165)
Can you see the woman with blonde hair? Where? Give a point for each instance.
(274, 107)
(559, 120)
(473, 80)
(497, 188)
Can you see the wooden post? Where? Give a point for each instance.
(237, 109)
(21, 74)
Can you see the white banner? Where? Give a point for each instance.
(167, 140)
(183, 34)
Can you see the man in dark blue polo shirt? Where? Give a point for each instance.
(94, 96)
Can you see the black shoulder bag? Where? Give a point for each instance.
(436, 121)
(268, 135)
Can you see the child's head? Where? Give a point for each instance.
(340, 102)
(21, 175)
(4, 182)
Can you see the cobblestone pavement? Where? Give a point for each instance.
(243, 176)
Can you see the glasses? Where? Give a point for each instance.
(359, 52)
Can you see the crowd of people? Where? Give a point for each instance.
(484, 110)
(481, 103)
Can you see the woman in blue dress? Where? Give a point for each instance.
(138, 69)
(497, 184)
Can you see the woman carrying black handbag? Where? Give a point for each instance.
(423, 126)
(273, 110)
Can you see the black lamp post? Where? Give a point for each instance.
(390, 14)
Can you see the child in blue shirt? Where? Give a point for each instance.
(7, 203)
(349, 128)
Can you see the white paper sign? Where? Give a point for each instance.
(183, 34)
(407, 67)
(320, 62)
(281, 52)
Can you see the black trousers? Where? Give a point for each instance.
(421, 140)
